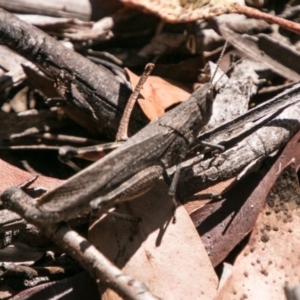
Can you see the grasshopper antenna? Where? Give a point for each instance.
(229, 69)
(218, 62)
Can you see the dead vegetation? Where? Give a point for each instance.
(64, 83)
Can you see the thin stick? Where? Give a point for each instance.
(79, 248)
(66, 138)
(219, 61)
(122, 133)
(97, 264)
(254, 13)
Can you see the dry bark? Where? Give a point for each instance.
(242, 150)
(66, 8)
(94, 98)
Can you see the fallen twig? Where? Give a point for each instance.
(94, 98)
(81, 250)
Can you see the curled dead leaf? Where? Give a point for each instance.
(157, 95)
(185, 10)
(11, 176)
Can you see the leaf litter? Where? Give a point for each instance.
(171, 258)
(270, 260)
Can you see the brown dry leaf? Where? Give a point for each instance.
(169, 258)
(185, 10)
(11, 176)
(176, 11)
(217, 189)
(271, 259)
(157, 95)
(223, 224)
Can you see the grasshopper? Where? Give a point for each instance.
(128, 171)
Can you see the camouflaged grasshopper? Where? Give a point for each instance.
(125, 173)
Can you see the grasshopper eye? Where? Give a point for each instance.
(211, 92)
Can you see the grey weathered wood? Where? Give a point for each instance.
(251, 49)
(232, 99)
(10, 221)
(94, 97)
(33, 121)
(248, 138)
(80, 9)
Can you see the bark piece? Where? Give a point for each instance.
(94, 98)
(252, 49)
(12, 63)
(233, 95)
(31, 121)
(10, 221)
(279, 51)
(244, 148)
(66, 8)
(73, 29)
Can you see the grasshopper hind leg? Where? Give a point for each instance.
(137, 185)
(116, 215)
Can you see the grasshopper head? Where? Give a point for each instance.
(205, 99)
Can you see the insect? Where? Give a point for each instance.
(130, 170)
